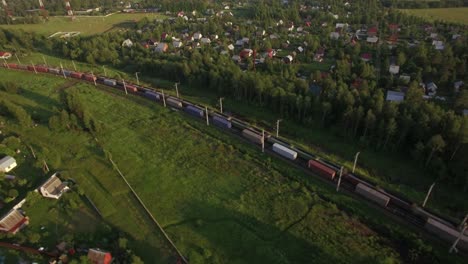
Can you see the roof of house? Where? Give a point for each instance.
(97, 256)
(53, 185)
(3, 53)
(395, 96)
(7, 161)
(11, 221)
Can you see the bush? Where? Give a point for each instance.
(10, 87)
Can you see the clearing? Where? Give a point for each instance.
(454, 15)
(85, 25)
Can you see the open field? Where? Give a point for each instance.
(85, 25)
(455, 15)
(220, 200)
(387, 170)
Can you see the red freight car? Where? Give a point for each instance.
(42, 69)
(30, 68)
(90, 77)
(12, 66)
(131, 88)
(322, 169)
(76, 75)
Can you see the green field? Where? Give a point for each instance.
(220, 200)
(454, 15)
(85, 25)
(388, 170)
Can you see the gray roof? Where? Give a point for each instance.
(7, 162)
(395, 96)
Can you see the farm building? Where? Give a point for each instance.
(7, 164)
(97, 256)
(13, 221)
(5, 55)
(53, 187)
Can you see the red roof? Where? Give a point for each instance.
(18, 225)
(366, 56)
(2, 53)
(97, 256)
(372, 30)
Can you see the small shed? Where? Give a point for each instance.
(7, 164)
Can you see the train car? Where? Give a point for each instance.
(353, 180)
(131, 88)
(372, 194)
(194, 110)
(42, 69)
(222, 122)
(22, 67)
(76, 75)
(321, 169)
(54, 71)
(109, 82)
(12, 65)
(67, 73)
(447, 233)
(89, 77)
(284, 151)
(152, 95)
(31, 68)
(171, 101)
(252, 136)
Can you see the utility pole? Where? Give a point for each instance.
(43, 58)
(177, 89)
(164, 98)
(45, 168)
(104, 68)
(138, 80)
(263, 140)
(6, 64)
(221, 104)
(125, 86)
(355, 160)
(277, 127)
(34, 67)
(454, 246)
(464, 221)
(339, 179)
(428, 194)
(74, 66)
(61, 67)
(94, 78)
(207, 117)
(16, 55)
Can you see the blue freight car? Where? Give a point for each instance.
(194, 110)
(152, 95)
(222, 122)
(67, 73)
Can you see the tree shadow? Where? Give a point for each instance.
(240, 238)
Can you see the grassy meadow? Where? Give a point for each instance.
(86, 25)
(219, 199)
(454, 15)
(391, 171)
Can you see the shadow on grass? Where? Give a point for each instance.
(240, 238)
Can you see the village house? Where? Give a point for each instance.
(161, 48)
(372, 32)
(53, 187)
(438, 44)
(431, 88)
(7, 164)
(205, 40)
(393, 96)
(197, 36)
(177, 44)
(334, 35)
(372, 39)
(319, 54)
(97, 256)
(13, 221)
(366, 57)
(127, 43)
(394, 69)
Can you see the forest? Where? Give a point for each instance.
(352, 100)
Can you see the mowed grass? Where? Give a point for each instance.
(85, 25)
(454, 15)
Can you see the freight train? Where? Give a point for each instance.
(328, 171)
